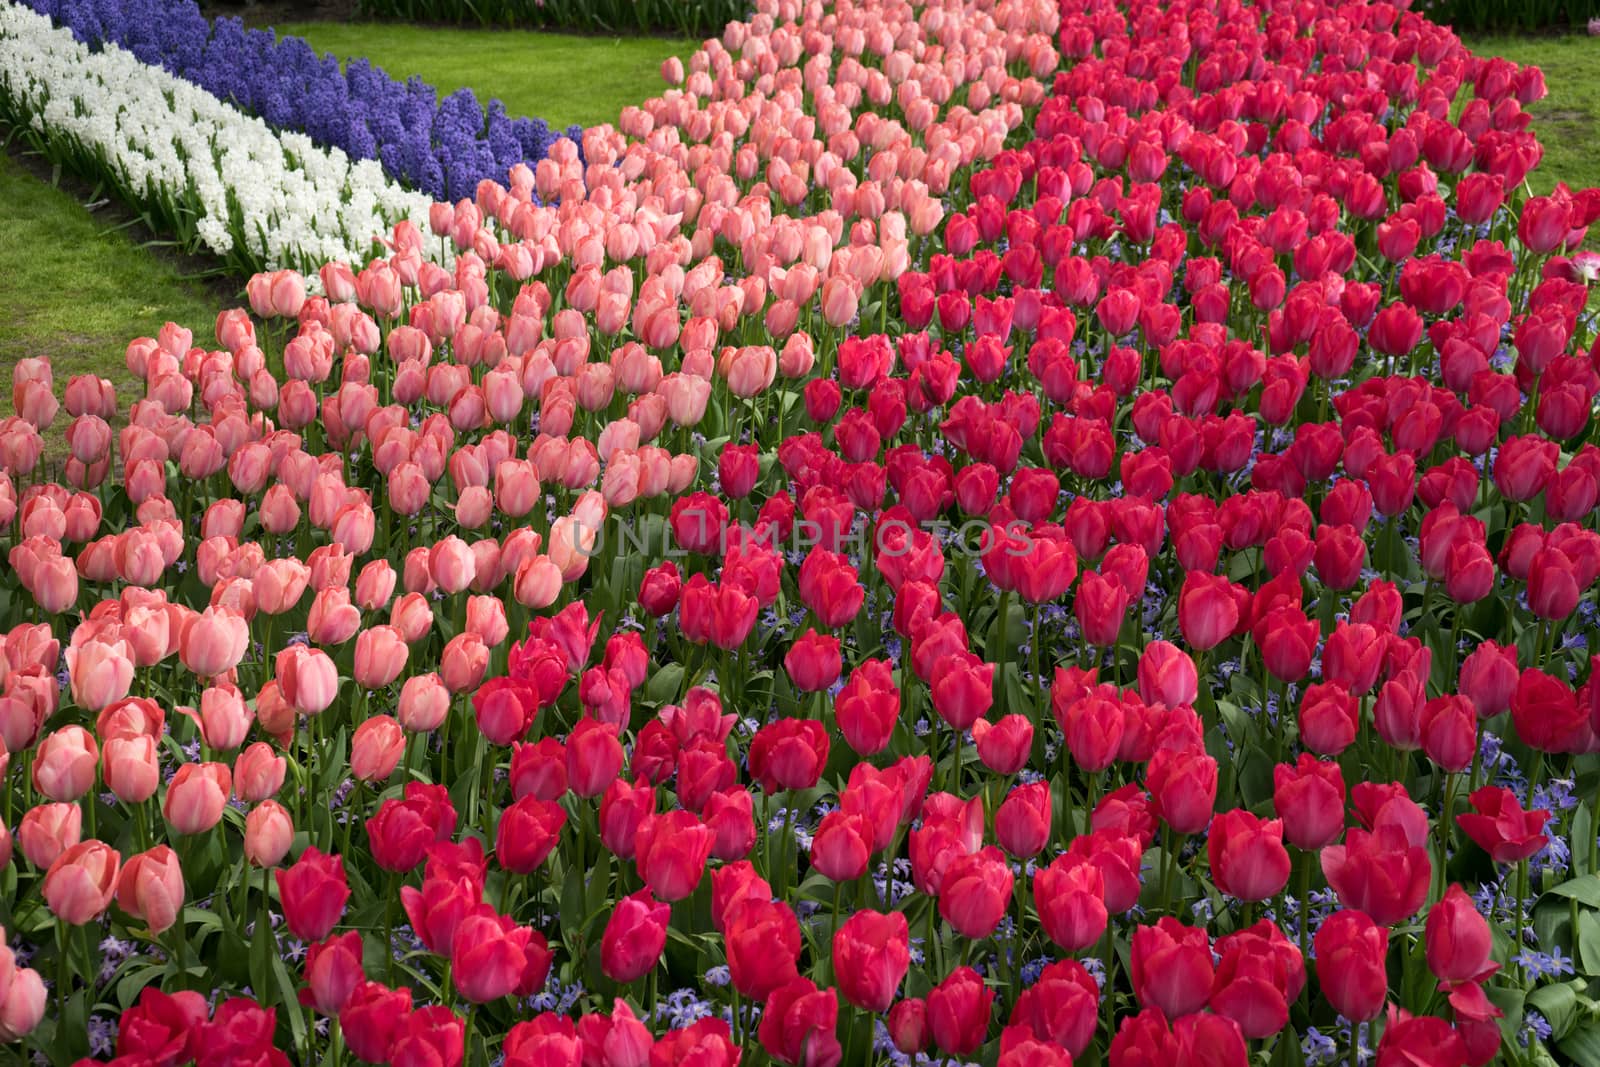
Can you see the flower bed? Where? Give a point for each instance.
(441, 148)
(197, 168)
(890, 564)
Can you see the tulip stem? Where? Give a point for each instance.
(1003, 648)
(1306, 860)
(650, 1005)
(1166, 868)
(389, 896)
(1444, 831)
(1477, 763)
(1594, 835)
(1522, 943)
(64, 969)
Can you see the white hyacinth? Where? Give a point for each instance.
(242, 191)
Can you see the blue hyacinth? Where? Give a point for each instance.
(440, 147)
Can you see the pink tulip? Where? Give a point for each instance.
(412, 616)
(258, 773)
(486, 617)
(464, 662)
(279, 585)
(268, 833)
(451, 565)
(100, 673)
(424, 703)
(214, 643)
(64, 764)
(332, 620)
(131, 768)
(538, 583)
(48, 830)
(22, 998)
(380, 656)
(150, 888)
(307, 679)
(224, 718)
(79, 885)
(196, 796)
(375, 585)
(376, 748)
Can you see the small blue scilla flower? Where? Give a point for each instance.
(1538, 964)
(102, 1035)
(718, 975)
(1096, 968)
(1318, 1047)
(1534, 1025)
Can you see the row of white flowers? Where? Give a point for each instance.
(221, 180)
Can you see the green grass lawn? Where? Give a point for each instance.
(78, 294)
(561, 78)
(1568, 119)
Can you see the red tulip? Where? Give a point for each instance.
(762, 938)
(671, 852)
(161, 1027)
(1208, 1040)
(908, 1025)
(1143, 1040)
(798, 1025)
(402, 831)
(1167, 675)
(1171, 966)
(490, 955)
(1062, 1007)
(1208, 610)
(634, 937)
(789, 754)
(1489, 677)
(813, 661)
(429, 1037)
(1309, 799)
(975, 892)
(1247, 856)
(313, 893)
(842, 846)
(1381, 873)
(871, 953)
(333, 973)
(528, 831)
(594, 757)
(1022, 823)
(1069, 896)
(1423, 1039)
(1183, 786)
(1500, 826)
(958, 1012)
(1260, 975)
(867, 708)
(1458, 940)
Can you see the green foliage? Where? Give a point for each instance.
(561, 78)
(1567, 120)
(1510, 14)
(77, 289)
(688, 17)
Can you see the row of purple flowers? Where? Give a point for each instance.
(440, 147)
